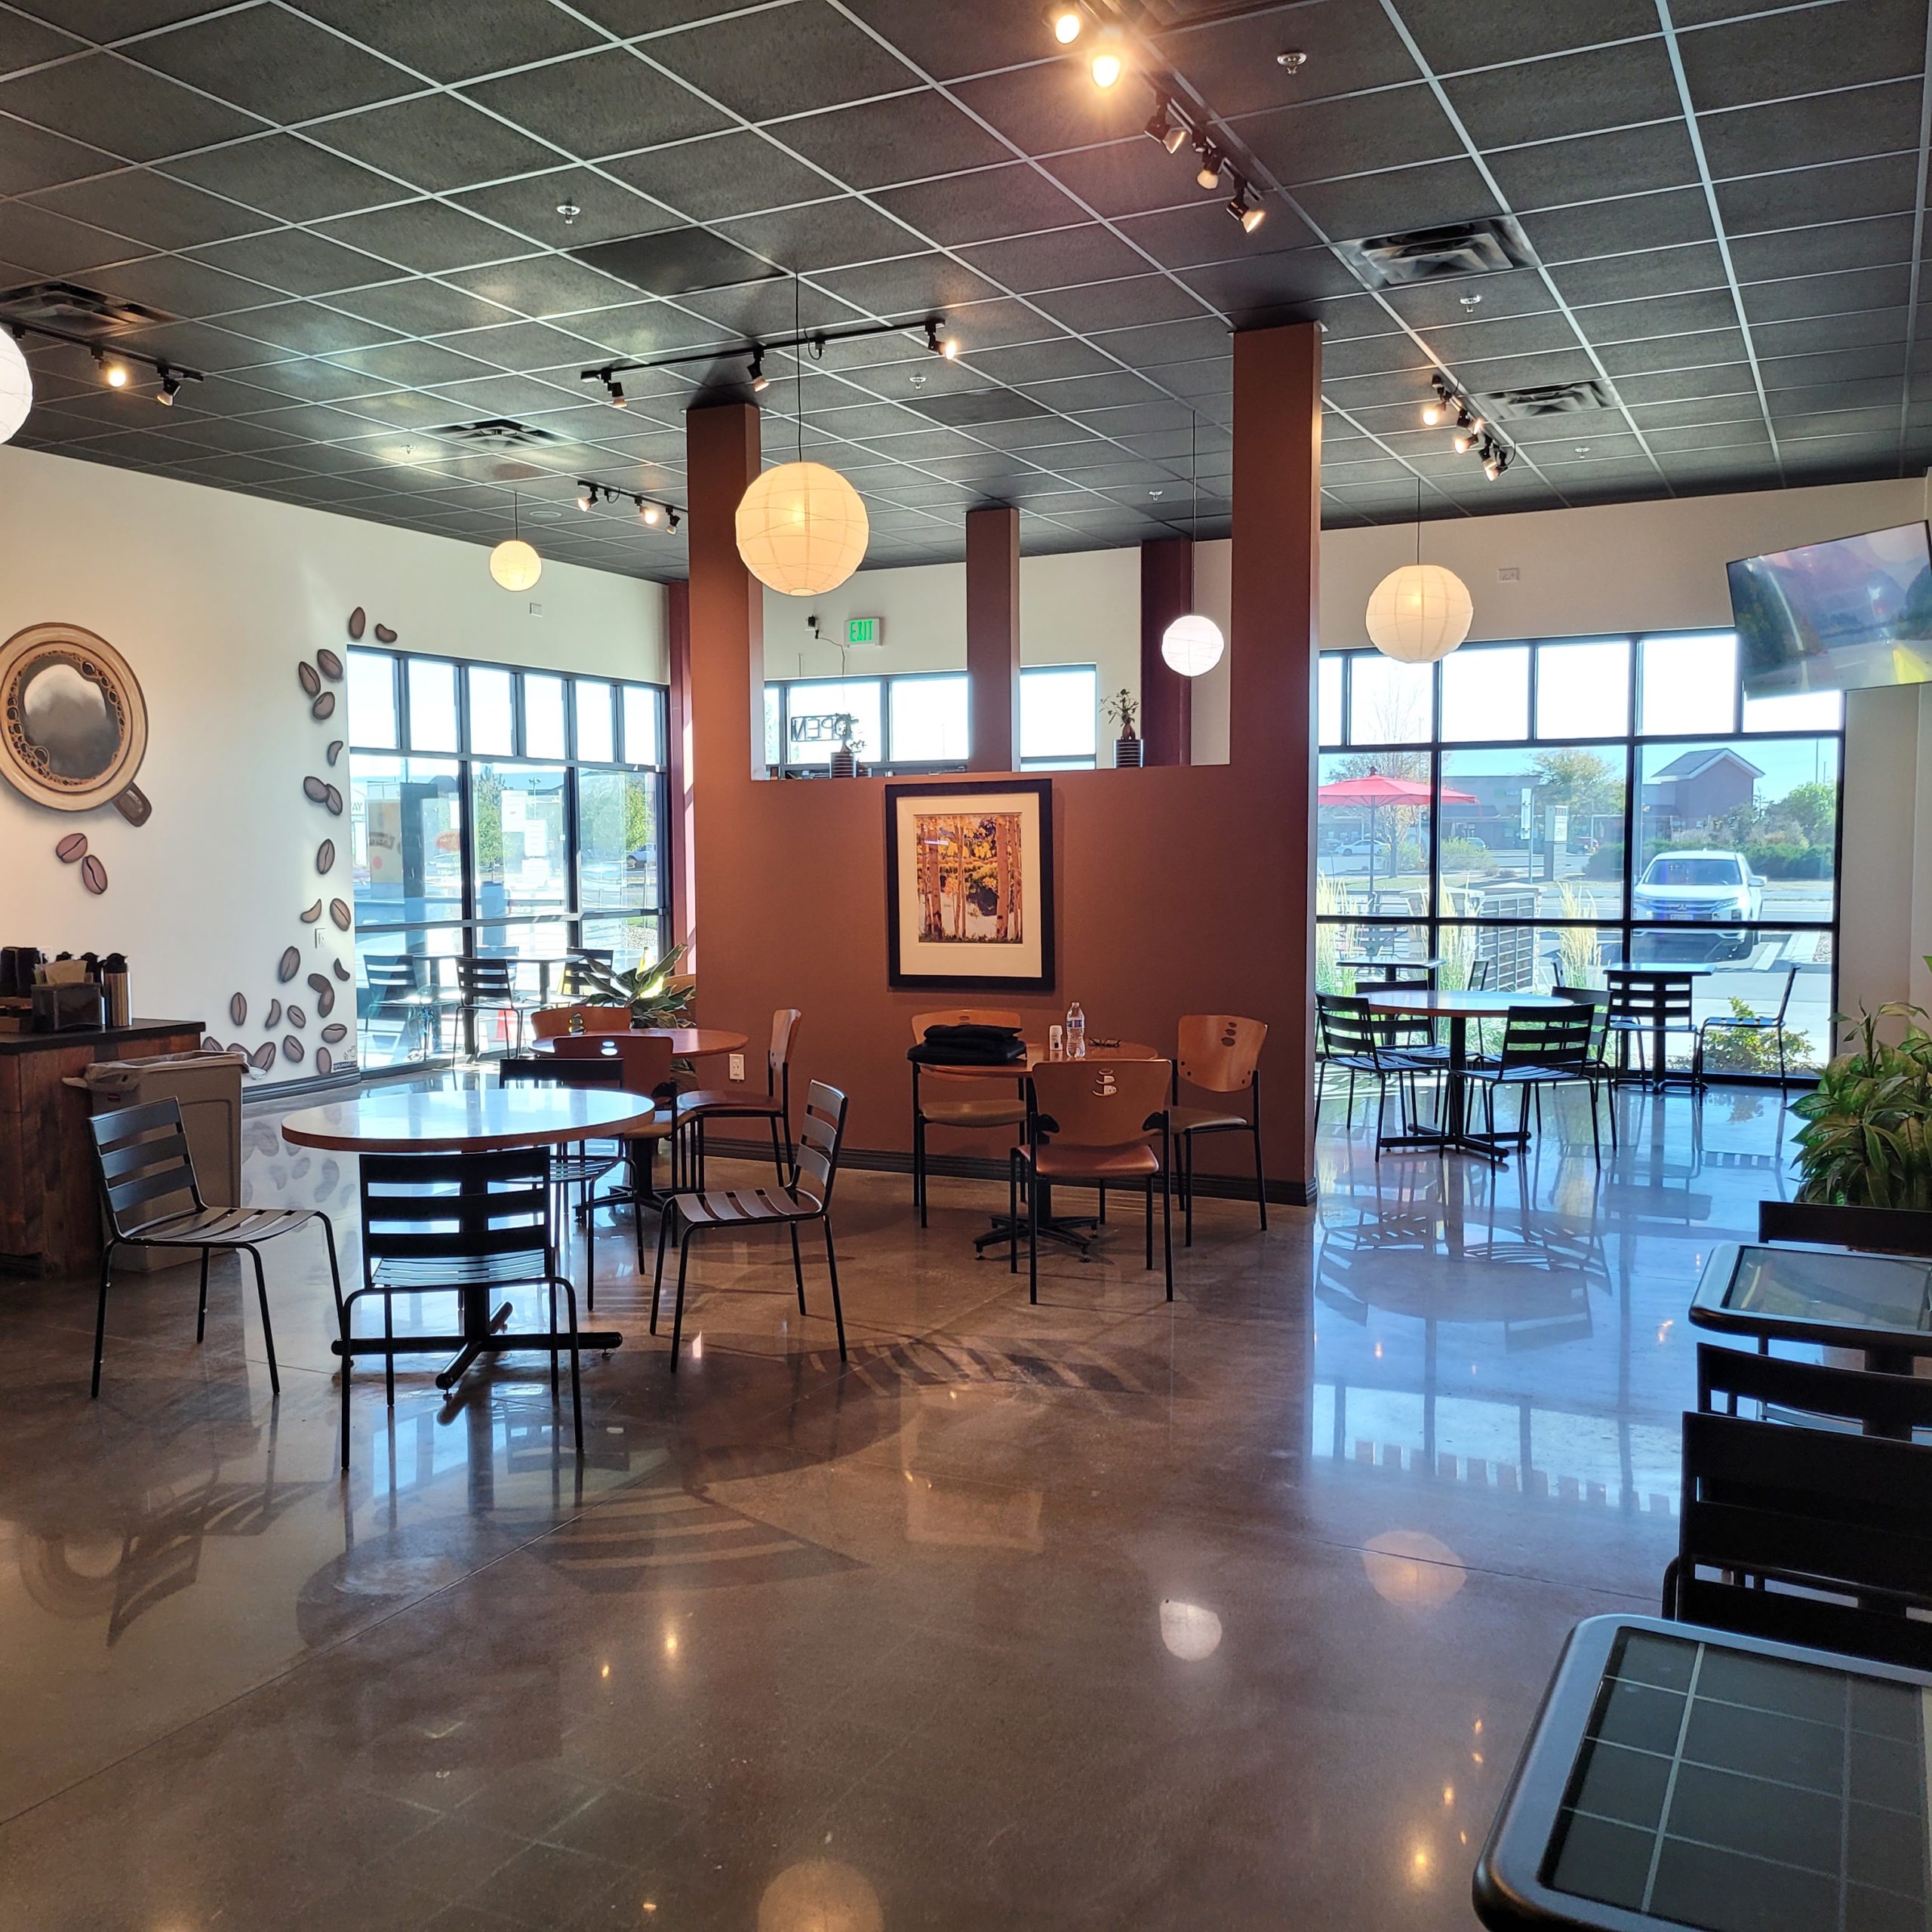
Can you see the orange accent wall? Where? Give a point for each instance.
(1180, 888)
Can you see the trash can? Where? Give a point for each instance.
(208, 1086)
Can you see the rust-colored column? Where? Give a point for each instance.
(1274, 610)
(992, 638)
(1167, 698)
(725, 645)
(677, 758)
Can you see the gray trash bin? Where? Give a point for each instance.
(209, 1088)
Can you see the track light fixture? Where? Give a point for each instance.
(113, 371)
(813, 342)
(1472, 431)
(760, 381)
(171, 385)
(614, 390)
(1067, 23)
(1251, 214)
(1163, 127)
(940, 344)
(1212, 161)
(1495, 459)
(650, 513)
(1108, 61)
(671, 519)
(1433, 413)
(587, 497)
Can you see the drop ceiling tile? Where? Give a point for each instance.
(1726, 378)
(1572, 94)
(980, 207)
(127, 110)
(1158, 345)
(1805, 133)
(1130, 178)
(420, 307)
(1062, 258)
(149, 208)
(949, 41)
(1659, 315)
(905, 137)
(769, 308)
(416, 363)
(1376, 355)
(1647, 271)
(1557, 173)
(1478, 340)
(292, 260)
(912, 285)
(525, 346)
(1871, 328)
(1850, 244)
(1392, 127)
(1849, 365)
(1827, 295)
(1676, 351)
(285, 175)
(31, 158)
(1265, 285)
(721, 175)
(644, 329)
(1614, 227)
(430, 237)
(1844, 192)
(1456, 299)
(605, 211)
(1802, 50)
(273, 63)
(765, 63)
(311, 380)
(1205, 232)
(1401, 199)
(1690, 411)
(307, 329)
(182, 286)
(1453, 35)
(1743, 434)
(1232, 61)
(597, 103)
(823, 235)
(437, 142)
(50, 244)
(1122, 304)
(1053, 106)
(451, 40)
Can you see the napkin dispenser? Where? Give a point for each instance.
(75, 1008)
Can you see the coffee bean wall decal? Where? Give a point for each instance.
(324, 995)
(288, 967)
(262, 1058)
(94, 875)
(312, 678)
(334, 751)
(333, 799)
(324, 1060)
(335, 1031)
(72, 849)
(297, 1018)
(384, 635)
(335, 966)
(325, 855)
(356, 621)
(330, 665)
(238, 1009)
(210, 1044)
(313, 913)
(272, 1018)
(291, 1047)
(340, 912)
(324, 706)
(315, 790)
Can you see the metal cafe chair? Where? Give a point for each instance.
(1649, 1004)
(1541, 1048)
(489, 986)
(1596, 1060)
(646, 1062)
(1218, 1054)
(807, 1198)
(1355, 1041)
(398, 990)
(463, 1224)
(1089, 1125)
(773, 1106)
(983, 1102)
(142, 1162)
(1739, 1022)
(584, 1166)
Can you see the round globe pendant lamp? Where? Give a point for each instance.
(1421, 612)
(801, 528)
(1192, 645)
(16, 386)
(513, 563)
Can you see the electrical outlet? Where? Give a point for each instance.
(737, 1067)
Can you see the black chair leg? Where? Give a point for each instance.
(797, 1268)
(1032, 1237)
(1166, 1224)
(346, 1359)
(1187, 1185)
(678, 1308)
(1261, 1182)
(201, 1306)
(657, 1278)
(553, 1337)
(919, 1165)
(1013, 1211)
(1149, 1263)
(778, 1155)
(268, 1330)
(389, 1357)
(831, 1268)
(577, 1388)
(335, 1267)
(101, 1315)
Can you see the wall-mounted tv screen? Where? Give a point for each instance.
(1836, 616)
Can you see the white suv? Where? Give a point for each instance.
(1703, 888)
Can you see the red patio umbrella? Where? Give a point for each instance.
(1375, 790)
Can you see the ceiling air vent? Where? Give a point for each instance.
(69, 310)
(1552, 399)
(1434, 255)
(498, 433)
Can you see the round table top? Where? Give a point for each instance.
(1419, 1000)
(1384, 963)
(1689, 969)
(687, 1042)
(1039, 1053)
(468, 1120)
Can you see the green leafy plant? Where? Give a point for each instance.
(1123, 707)
(655, 993)
(1752, 1049)
(1867, 1137)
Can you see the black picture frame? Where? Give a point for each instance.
(1039, 794)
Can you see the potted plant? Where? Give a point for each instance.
(845, 759)
(656, 994)
(1865, 1150)
(1124, 708)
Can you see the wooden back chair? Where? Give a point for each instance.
(551, 1022)
(1092, 1124)
(1219, 1053)
(745, 1101)
(821, 1135)
(964, 1103)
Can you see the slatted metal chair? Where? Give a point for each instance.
(773, 1106)
(1091, 1123)
(960, 1104)
(646, 1060)
(146, 1173)
(1649, 1004)
(1540, 1048)
(1219, 1053)
(807, 1198)
(1596, 1061)
(489, 986)
(1811, 1394)
(1749, 1022)
(584, 1166)
(402, 987)
(1356, 1043)
(465, 1223)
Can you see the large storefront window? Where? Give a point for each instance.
(534, 831)
(1531, 813)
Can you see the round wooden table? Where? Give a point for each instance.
(687, 1042)
(450, 1120)
(1459, 1009)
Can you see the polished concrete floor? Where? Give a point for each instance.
(1105, 1613)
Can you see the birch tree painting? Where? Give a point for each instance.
(969, 879)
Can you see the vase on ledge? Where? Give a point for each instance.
(1127, 753)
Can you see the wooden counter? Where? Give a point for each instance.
(49, 1221)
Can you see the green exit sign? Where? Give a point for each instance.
(865, 630)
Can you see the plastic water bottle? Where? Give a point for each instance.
(1076, 1033)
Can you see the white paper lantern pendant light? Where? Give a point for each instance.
(801, 528)
(15, 386)
(1192, 645)
(513, 563)
(1420, 613)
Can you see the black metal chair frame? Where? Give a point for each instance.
(1651, 1003)
(1540, 1048)
(808, 1198)
(400, 987)
(141, 1154)
(1185, 1136)
(582, 1169)
(1597, 1058)
(1728, 1022)
(506, 1237)
(488, 985)
(1363, 1048)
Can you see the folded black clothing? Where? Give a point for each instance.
(969, 1046)
(969, 1033)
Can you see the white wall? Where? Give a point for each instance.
(213, 597)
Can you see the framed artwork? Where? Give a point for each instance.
(969, 885)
